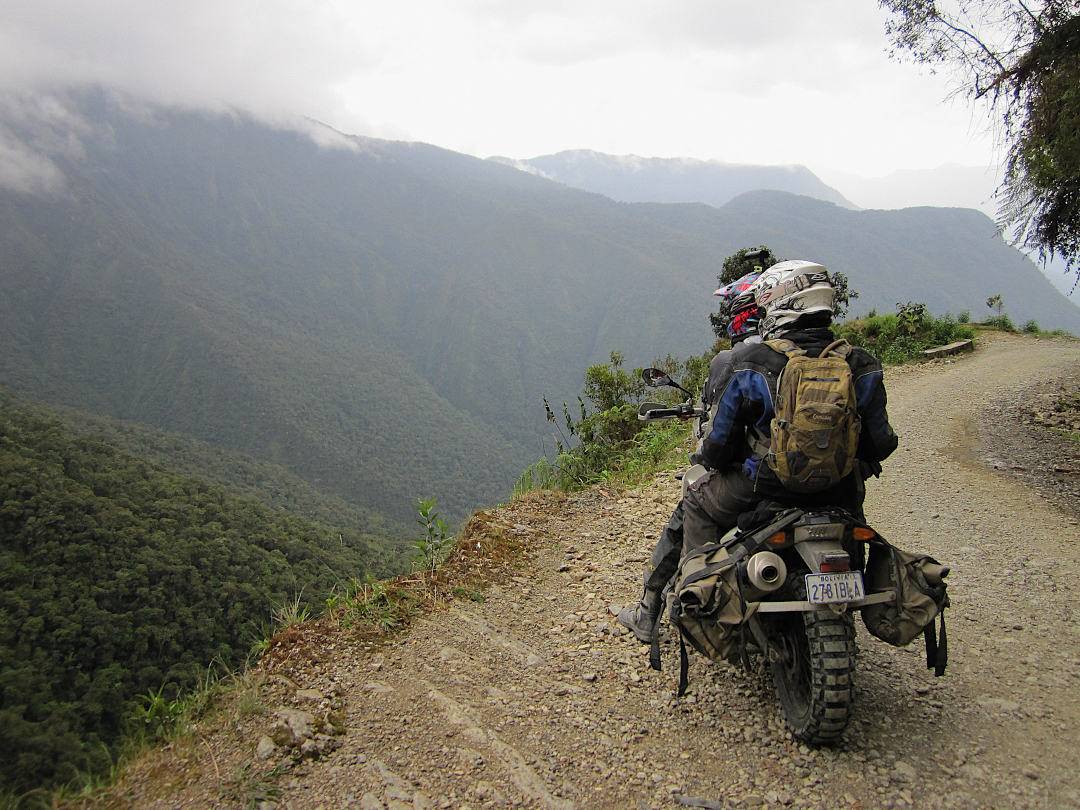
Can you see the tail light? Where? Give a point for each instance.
(831, 563)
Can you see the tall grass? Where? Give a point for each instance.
(625, 463)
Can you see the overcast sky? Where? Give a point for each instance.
(769, 82)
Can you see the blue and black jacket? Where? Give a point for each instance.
(742, 388)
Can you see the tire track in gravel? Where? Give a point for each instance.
(536, 698)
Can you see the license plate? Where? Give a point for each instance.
(842, 586)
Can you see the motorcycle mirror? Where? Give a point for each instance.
(655, 378)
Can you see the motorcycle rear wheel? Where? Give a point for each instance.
(814, 677)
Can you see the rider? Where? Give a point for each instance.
(740, 392)
(796, 302)
(740, 310)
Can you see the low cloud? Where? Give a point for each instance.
(36, 131)
(22, 169)
(520, 165)
(704, 78)
(266, 56)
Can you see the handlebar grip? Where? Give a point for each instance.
(680, 412)
(661, 413)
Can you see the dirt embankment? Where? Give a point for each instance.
(535, 698)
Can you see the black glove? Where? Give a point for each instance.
(869, 468)
(714, 455)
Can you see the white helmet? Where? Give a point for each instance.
(789, 290)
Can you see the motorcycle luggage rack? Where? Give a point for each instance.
(780, 522)
(793, 607)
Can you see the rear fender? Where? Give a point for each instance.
(812, 552)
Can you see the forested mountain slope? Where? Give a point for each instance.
(118, 579)
(244, 476)
(383, 319)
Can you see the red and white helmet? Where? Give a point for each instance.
(789, 290)
(739, 307)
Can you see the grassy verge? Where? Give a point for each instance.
(626, 464)
(902, 338)
(155, 721)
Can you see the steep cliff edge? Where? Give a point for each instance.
(534, 698)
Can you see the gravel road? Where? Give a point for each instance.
(535, 698)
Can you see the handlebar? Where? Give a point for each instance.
(683, 411)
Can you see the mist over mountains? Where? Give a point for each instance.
(383, 319)
(629, 178)
(949, 186)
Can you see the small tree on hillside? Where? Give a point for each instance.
(610, 386)
(737, 265)
(1003, 322)
(844, 295)
(614, 393)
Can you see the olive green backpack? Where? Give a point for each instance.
(815, 431)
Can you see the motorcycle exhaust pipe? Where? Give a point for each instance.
(766, 571)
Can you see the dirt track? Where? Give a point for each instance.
(534, 698)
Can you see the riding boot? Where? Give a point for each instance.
(642, 617)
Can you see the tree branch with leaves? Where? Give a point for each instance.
(1024, 59)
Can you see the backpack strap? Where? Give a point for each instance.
(759, 447)
(654, 646)
(937, 649)
(785, 346)
(840, 348)
(684, 667)
(684, 659)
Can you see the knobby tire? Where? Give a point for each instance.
(815, 676)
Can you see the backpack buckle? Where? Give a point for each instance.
(821, 437)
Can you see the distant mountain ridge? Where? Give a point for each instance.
(383, 319)
(629, 178)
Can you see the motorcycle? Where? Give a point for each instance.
(796, 576)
